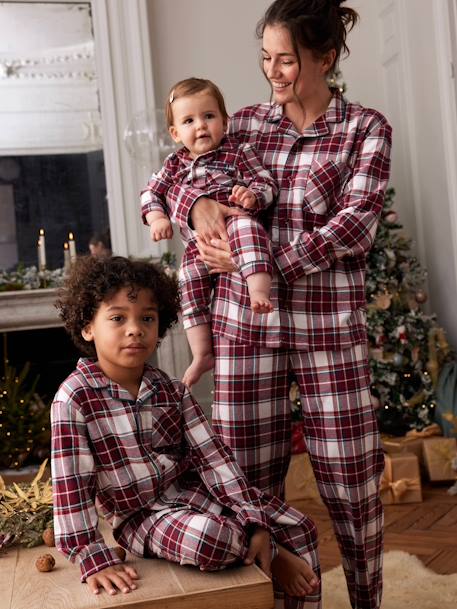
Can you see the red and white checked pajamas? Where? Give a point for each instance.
(332, 179)
(160, 477)
(214, 174)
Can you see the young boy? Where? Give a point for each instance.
(131, 444)
(212, 164)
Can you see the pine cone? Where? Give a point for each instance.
(45, 562)
(48, 537)
(121, 553)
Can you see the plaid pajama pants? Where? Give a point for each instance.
(251, 413)
(250, 247)
(212, 542)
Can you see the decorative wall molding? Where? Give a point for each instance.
(75, 62)
(399, 95)
(124, 68)
(49, 99)
(445, 14)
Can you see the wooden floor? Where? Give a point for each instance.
(428, 530)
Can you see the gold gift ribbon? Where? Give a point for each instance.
(443, 455)
(397, 487)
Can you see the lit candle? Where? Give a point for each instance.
(72, 247)
(41, 251)
(66, 257)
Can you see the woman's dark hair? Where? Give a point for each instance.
(317, 25)
(95, 280)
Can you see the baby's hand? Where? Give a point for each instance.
(111, 579)
(161, 229)
(243, 196)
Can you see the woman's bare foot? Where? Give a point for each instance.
(260, 303)
(293, 574)
(199, 366)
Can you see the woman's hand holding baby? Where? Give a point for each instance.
(208, 218)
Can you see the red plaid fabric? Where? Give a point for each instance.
(214, 174)
(251, 251)
(136, 460)
(332, 179)
(211, 174)
(212, 542)
(251, 414)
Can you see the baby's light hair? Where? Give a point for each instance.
(192, 86)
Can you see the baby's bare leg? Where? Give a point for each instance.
(259, 286)
(293, 574)
(201, 345)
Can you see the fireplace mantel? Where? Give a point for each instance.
(34, 310)
(28, 310)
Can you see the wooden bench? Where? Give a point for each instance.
(163, 585)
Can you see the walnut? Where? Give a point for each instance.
(48, 537)
(45, 562)
(121, 553)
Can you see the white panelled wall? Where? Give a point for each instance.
(400, 63)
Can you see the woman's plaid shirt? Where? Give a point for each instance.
(131, 460)
(332, 179)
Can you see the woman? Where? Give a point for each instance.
(331, 161)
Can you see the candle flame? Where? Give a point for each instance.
(42, 232)
(70, 236)
(65, 246)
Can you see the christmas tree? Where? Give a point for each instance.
(24, 420)
(407, 347)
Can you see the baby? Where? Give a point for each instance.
(216, 165)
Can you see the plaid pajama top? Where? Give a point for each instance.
(131, 460)
(332, 179)
(211, 174)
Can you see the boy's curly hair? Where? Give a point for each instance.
(93, 280)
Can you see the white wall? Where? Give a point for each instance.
(212, 39)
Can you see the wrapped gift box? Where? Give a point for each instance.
(400, 482)
(394, 445)
(440, 455)
(300, 480)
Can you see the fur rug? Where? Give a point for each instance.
(407, 585)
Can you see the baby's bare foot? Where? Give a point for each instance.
(293, 574)
(260, 302)
(199, 366)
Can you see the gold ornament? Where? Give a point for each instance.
(383, 301)
(421, 296)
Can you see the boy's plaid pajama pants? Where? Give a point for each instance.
(211, 542)
(251, 414)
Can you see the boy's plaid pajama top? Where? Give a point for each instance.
(135, 461)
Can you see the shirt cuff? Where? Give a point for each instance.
(147, 207)
(96, 557)
(190, 320)
(249, 515)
